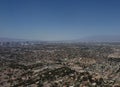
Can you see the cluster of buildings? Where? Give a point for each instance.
(59, 65)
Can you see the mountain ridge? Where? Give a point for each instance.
(97, 38)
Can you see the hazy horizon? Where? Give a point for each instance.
(55, 20)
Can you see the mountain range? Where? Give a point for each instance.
(4, 39)
(104, 38)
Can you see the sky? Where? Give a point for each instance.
(58, 19)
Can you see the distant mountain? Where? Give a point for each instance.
(104, 38)
(3, 39)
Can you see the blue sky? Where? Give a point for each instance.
(59, 19)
